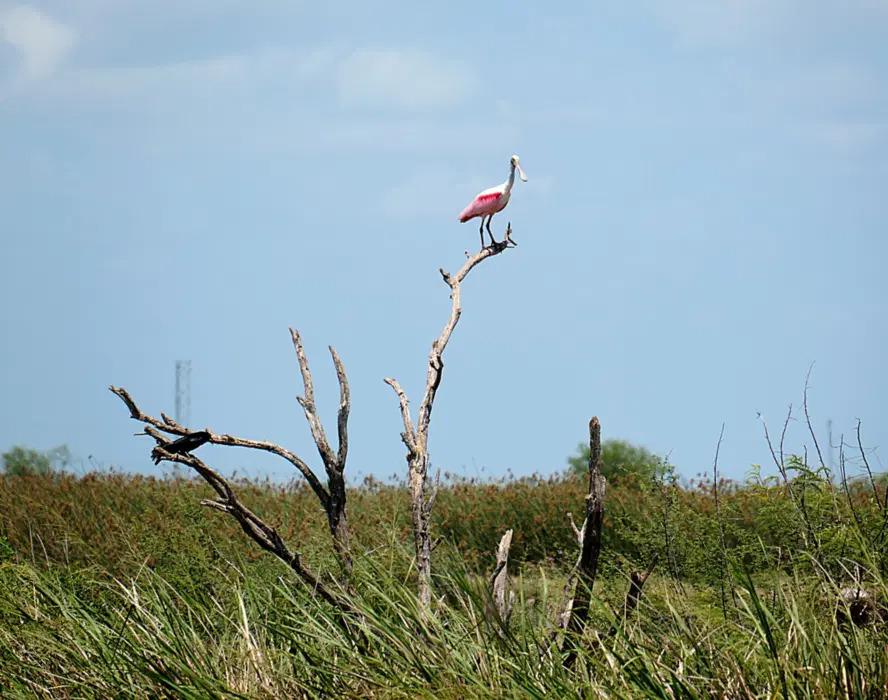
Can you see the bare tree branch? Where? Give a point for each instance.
(344, 408)
(266, 536)
(308, 405)
(227, 501)
(779, 462)
(409, 435)
(333, 497)
(808, 417)
(174, 428)
(844, 476)
(578, 532)
(416, 436)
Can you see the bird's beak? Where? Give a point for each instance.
(521, 173)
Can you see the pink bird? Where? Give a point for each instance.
(492, 200)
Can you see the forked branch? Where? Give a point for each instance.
(332, 497)
(169, 426)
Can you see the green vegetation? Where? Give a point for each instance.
(123, 586)
(620, 459)
(23, 461)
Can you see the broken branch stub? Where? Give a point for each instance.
(633, 596)
(502, 595)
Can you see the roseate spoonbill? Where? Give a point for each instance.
(492, 200)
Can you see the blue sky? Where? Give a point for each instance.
(705, 217)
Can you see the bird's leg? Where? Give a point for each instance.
(481, 231)
(492, 239)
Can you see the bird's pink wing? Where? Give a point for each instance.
(482, 205)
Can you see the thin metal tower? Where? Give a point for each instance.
(183, 392)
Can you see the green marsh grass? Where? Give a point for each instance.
(116, 586)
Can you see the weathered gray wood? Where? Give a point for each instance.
(416, 436)
(334, 462)
(502, 594)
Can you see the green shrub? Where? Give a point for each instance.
(26, 461)
(620, 459)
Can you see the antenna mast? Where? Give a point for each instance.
(183, 392)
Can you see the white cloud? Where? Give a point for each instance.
(42, 41)
(403, 78)
(275, 70)
(155, 81)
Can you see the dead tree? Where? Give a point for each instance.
(590, 548)
(332, 497)
(416, 435)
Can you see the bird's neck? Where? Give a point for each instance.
(511, 180)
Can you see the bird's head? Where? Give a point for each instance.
(516, 165)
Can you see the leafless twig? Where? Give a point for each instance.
(808, 418)
(780, 462)
(844, 476)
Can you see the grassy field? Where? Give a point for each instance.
(118, 586)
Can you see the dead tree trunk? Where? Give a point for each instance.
(416, 436)
(332, 498)
(502, 595)
(587, 565)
